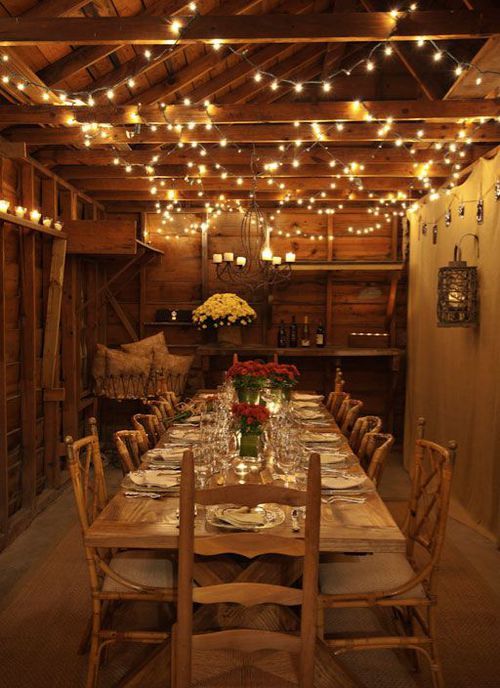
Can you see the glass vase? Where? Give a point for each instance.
(250, 444)
(248, 395)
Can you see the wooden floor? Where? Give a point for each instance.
(45, 606)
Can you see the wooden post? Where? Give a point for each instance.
(204, 264)
(4, 491)
(329, 283)
(28, 346)
(70, 341)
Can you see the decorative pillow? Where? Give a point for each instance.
(174, 369)
(115, 362)
(150, 346)
(119, 375)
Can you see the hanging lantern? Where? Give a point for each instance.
(457, 304)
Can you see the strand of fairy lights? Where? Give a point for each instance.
(94, 131)
(179, 25)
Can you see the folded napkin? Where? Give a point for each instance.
(166, 451)
(241, 516)
(332, 457)
(191, 433)
(311, 414)
(342, 481)
(304, 396)
(305, 404)
(309, 436)
(153, 478)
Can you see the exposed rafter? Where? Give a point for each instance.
(323, 28)
(447, 111)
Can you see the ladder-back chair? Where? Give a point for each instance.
(360, 428)
(376, 448)
(126, 576)
(249, 545)
(130, 445)
(350, 410)
(164, 410)
(148, 425)
(406, 584)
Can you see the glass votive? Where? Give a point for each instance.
(20, 211)
(4, 206)
(47, 221)
(58, 225)
(35, 215)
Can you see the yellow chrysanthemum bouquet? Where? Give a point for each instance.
(223, 310)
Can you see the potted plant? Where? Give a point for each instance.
(226, 313)
(248, 378)
(251, 418)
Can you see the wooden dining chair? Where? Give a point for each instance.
(375, 450)
(148, 425)
(334, 403)
(350, 410)
(247, 593)
(404, 583)
(361, 426)
(127, 576)
(130, 445)
(164, 412)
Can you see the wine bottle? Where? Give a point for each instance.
(320, 335)
(305, 341)
(294, 338)
(282, 339)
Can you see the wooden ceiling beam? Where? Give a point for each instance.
(285, 112)
(342, 196)
(305, 184)
(195, 206)
(223, 156)
(395, 169)
(264, 133)
(323, 28)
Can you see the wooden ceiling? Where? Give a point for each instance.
(393, 120)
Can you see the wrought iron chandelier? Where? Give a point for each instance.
(458, 304)
(256, 267)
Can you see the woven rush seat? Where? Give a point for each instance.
(374, 572)
(143, 568)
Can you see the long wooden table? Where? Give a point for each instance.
(345, 527)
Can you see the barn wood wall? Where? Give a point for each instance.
(354, 301)
(32, 466)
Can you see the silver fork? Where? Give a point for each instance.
(345, 498)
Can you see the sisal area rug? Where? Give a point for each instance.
(41, 626)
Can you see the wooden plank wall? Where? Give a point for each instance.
(347, 302)
(31, 449)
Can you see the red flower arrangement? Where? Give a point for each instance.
(248, 374)
(251, 417)
(282, 374)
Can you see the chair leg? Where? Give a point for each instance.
(320, 625)
(173, 648)
(95, 649)
(437, 673)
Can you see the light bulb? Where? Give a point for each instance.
(110, 94)
(274, 85)
(257, 77)
(298, 87)
(370, 66)
(327, 87)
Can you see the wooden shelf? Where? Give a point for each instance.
(312, 352)
(174, 323)
(334, 266)
(28, 224)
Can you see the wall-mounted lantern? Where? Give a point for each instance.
(458, 302)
